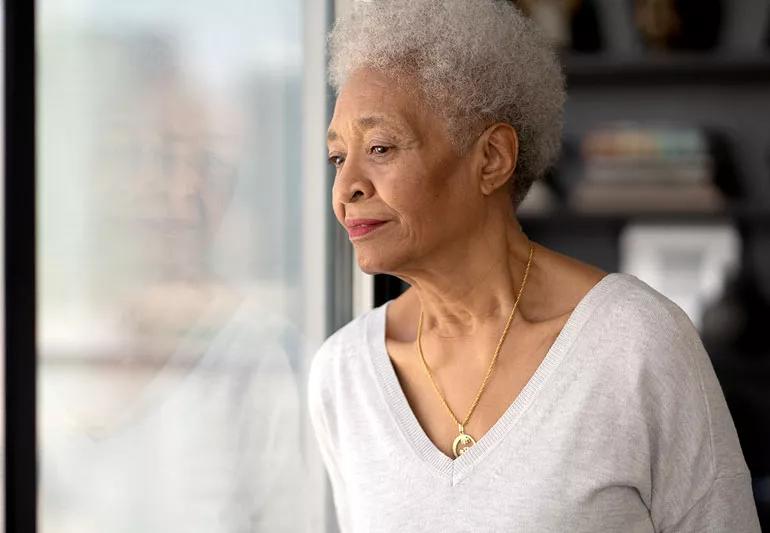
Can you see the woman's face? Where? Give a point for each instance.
(394, 162)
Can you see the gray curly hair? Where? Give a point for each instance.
(477, 62)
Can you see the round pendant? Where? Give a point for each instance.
(462, 442)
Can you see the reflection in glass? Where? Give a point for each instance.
(171, 301)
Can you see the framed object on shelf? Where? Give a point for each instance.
(687, 263)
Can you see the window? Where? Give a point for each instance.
(182, 272)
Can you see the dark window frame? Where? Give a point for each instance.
(20, 292)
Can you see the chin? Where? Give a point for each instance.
(368, 266)
(375, 261)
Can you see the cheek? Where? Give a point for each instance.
(404, 188)
(421, 202)
(435, 190)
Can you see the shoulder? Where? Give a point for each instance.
(643, 341)
(332, 360)
(639, 347)
(665, 379)
(239, 332)
(333, 373)
(650, 355)
(634, 314)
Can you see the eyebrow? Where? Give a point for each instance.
(365, 123)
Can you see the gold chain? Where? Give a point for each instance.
(494, 358)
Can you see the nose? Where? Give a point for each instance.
(169, 184)
(183, 192)
(351, 183)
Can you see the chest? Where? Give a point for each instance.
(554, 467)
(455, 385)
(547, 473)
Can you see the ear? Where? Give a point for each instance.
(500, 145)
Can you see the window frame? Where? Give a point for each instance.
(19, 263)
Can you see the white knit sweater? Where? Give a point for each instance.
(622, 428)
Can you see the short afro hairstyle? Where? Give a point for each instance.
(477, 62)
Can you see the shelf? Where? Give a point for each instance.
(675, 68)
(569, 217)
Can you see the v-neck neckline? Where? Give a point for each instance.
(406, 420)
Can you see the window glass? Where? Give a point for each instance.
(176, 307)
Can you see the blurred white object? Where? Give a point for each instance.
(539, 200)
(687, 263)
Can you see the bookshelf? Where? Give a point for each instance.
(587, 70)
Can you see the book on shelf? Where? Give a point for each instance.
(635, 197)
(646, 167)
(691, 169)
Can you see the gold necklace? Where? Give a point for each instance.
(464, 441)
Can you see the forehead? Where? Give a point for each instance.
(369, 98)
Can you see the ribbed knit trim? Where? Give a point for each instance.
(456, 469)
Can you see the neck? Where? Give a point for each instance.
(471, 286)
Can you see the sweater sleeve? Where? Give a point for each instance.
(699, 478)
(728, 505)
(319, 406)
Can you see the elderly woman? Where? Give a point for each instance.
(510, 388)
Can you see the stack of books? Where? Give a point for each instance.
(634, 167)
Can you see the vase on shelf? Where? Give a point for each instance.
(569, 24)
(678, 24)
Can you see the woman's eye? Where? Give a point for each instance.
(380, 150)
(336, 160)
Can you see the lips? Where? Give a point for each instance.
(362, 226)
(352, 222)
